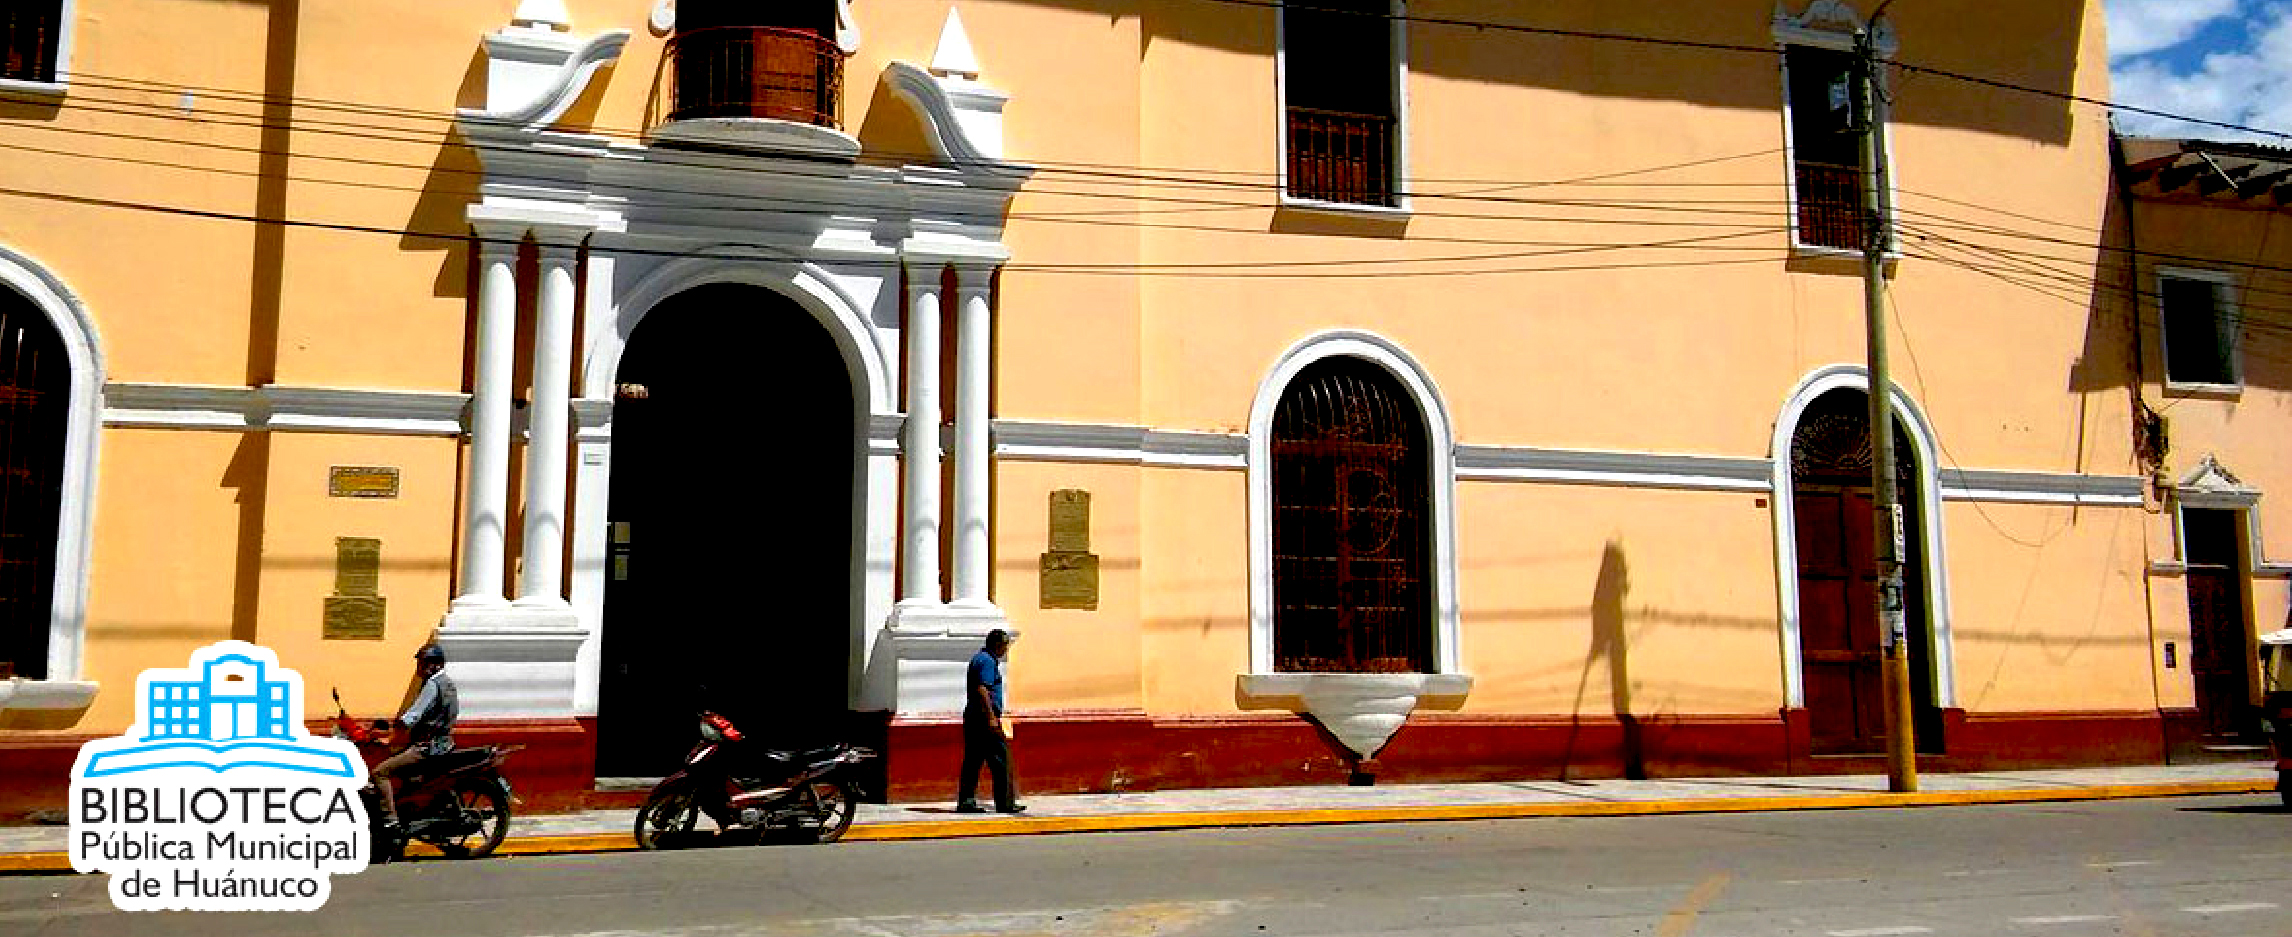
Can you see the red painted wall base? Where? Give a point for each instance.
(1068, 752)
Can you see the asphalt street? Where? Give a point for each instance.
(2178, 866)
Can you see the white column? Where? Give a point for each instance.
(974, 360)
(542, 581)
(919, 444)
(485, 511)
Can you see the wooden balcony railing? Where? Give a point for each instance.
(1340, 157)
(1830, 206)
(28, 39)
(756, 71)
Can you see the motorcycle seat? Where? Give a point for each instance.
(807, 756)
(451, 761)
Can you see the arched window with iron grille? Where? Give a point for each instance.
(35, 400)
(1351, 537)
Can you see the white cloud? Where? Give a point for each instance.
(2249, 85)
(2137, 27)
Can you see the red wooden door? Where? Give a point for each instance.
(1838, 620)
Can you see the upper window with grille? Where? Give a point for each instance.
(1823, 124)
(1341, 79)
(2197, 312)
(33, 41)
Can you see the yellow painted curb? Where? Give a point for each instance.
(36, 862)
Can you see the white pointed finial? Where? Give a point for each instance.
(954, 56)
(544, 13)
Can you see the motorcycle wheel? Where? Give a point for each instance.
(837, 803)
(483, 803)
(671, 809)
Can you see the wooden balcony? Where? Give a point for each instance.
(755, 71)
(1830, 205)
(1340, 157)
(28, 40)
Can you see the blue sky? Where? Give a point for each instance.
(2224, 60)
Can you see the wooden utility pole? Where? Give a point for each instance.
(1887, 531)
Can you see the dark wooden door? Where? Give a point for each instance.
(35, 389)
(1838, 620)
(2219, 644)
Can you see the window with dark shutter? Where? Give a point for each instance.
(1826, 154)
(2200, 331)
(1339, 78)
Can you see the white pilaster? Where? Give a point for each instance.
(919, 522)
(485, 512)
(542, 581)
(974, 360)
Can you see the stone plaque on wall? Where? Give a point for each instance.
(357, 609)
(1070, 570)
(362, 481)
(1070, 521)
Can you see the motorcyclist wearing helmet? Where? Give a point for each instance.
(429, 725)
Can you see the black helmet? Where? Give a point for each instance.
(431, 654)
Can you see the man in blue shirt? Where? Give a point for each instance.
(984, 741)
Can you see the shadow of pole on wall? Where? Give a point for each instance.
(1609, 640)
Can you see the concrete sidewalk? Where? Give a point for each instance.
(41, 848)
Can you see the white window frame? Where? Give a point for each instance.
(65, 21)
(2225, 304)
(1824, 26)
(1399, 53)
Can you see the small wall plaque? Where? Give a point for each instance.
(1070, 580)
(355, 617)
(1070, 570)
(356, 610)
(362, 481)
(1070, 521)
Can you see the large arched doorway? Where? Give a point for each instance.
(730, 572)
(1839, 634)
(35, 406)
(1352, 541)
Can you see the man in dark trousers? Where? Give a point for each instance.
(984, 738)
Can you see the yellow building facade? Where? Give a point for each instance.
(1419, 390)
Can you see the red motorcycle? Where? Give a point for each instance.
(457, 802)
(808, 792)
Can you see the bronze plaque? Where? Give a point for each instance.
(357, 617)
(1070, 580)
(357, 566)
(1070, 521)
(362, 481)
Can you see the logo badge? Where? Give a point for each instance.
(218, 799)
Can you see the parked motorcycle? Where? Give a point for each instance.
(457, 802)
(2276, 704)
(810, 792)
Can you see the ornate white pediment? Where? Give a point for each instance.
(2212, 485)
(1830, 23)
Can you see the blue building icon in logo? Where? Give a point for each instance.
(234, 708)
(232, 701)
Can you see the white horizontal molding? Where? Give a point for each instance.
(1626, 469)
(180, 406)
(1119, 444)
(290, 409)
(2042, 487)
(394, 412)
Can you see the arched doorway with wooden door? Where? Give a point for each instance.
(1831, 547)
(35, 411)
(730, 571)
